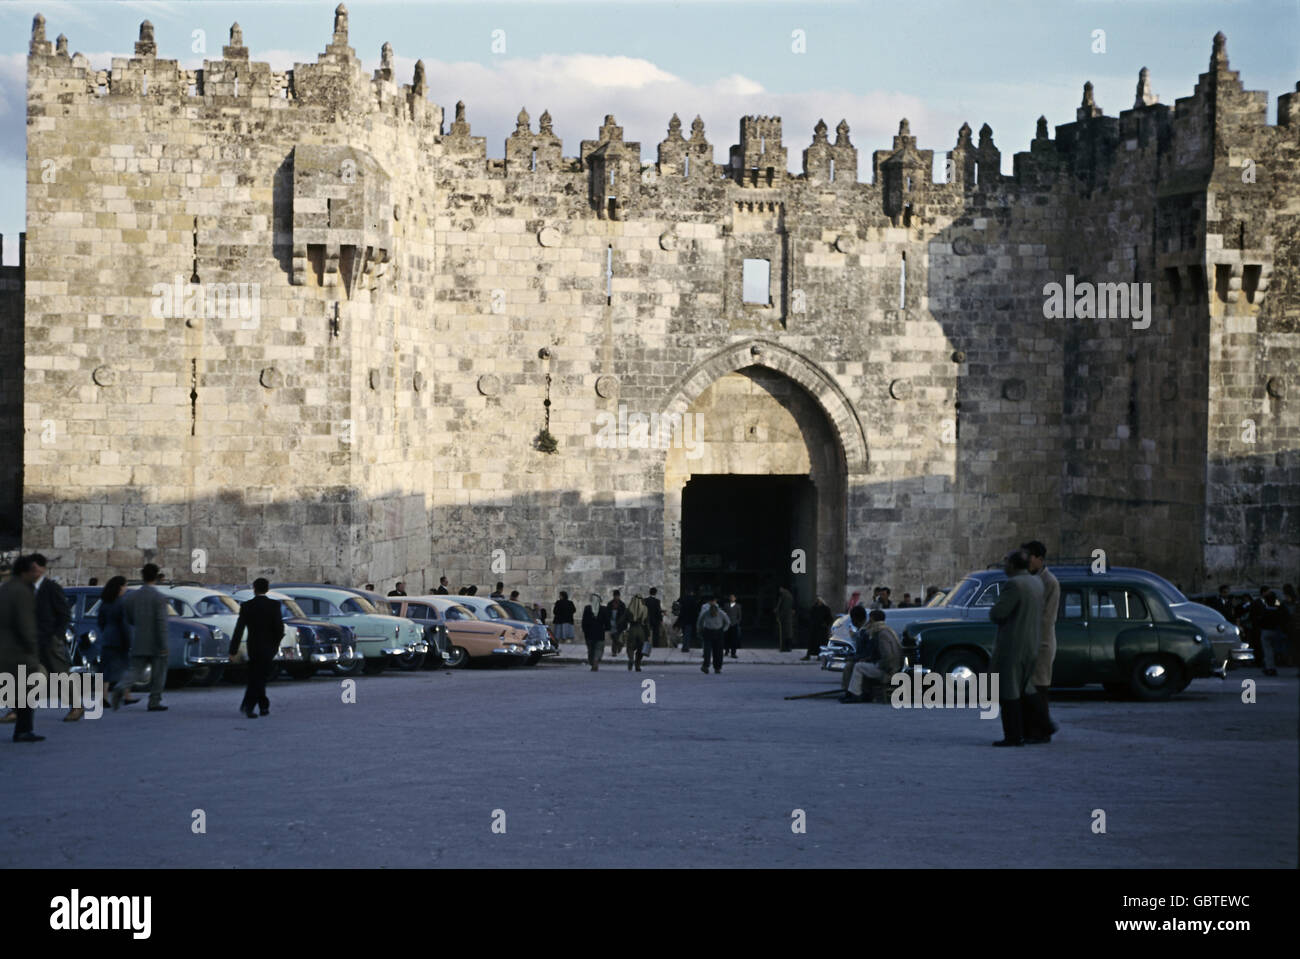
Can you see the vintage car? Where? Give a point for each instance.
(491, 611)
(381, 638)
(974, 596)
(418, 609)
(898, 617)
(539, 631)
(1121, 629)
(321, 644)
(473, 640)
(197, 651)
(218, 609)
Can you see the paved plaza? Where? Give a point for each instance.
(557, 766)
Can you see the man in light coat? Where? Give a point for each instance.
(711, 625)
(1019, 615)
(146, 612)
(19, 644)
(1038, 725)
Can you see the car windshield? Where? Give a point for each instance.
(216, 604)
(1168, 591)
(517, 610)
(962, 595)
(458, 612)
(357, 604)
(494, 611)
(289, 609)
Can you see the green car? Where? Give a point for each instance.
(1112, 629)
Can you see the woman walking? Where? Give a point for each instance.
(638, 631)
(594, 622)
(115, 637)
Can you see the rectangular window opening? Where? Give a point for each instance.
(832, 169)
(756, 281)
(902, 283)
(1250, 281)
(534, 161)
(1222, 274)
(609, 271)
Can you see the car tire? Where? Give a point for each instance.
(302, 671)
(409, 662)
(374, 665)
(961, 659)
(533, 659)
(1155, 678)
(457, 658)
(207, 675)
(350, 669)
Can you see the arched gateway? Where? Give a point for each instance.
(766, 476)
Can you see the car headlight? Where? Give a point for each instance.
(69, 635)
(191, 636)
(1200, 638)
(92, 636)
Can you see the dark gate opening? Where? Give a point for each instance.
(739, 535)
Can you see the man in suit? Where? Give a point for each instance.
(260, 616)
(19, 644)
(442, 586)
(1038, 725)
(52, 620)
(398, 590)
(655, 611)
(146, 612)
(1019, 615)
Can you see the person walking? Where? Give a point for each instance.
(1274, 623)
(820, 619)
(260, 616)
(53, 617)
(734, 613)
(146, 612)
(655, 617)
(617, 619)
(19, 642)
(1019, 615)
(562, 618)
(712, 623)
(638, 631)
(784, 619)
(595, 620)
(1039, 725)
(114, 637)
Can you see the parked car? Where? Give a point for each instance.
(1242, 604)
(491, 611)
(321, 644)
(974, 596)
(197, 652)
(1121, 629)
(539, 631)
(381, 638)
(218, 609)
(474, 640)
(897, 617)
(429, 616)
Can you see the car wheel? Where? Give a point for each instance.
(302, 671)
(207, 675)
(408, 662)
(533, 659)
(962, 664)
(457, 658)
(1155, 678)
(373, 665)
(350, 669)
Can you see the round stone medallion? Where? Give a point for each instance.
(606, 386)
(1014, 390)
(548, 236)
(417, 381)
(270, 378)
(1276, 387)
(668, 240)
(844, 243)
(900, 389)
(104, 376)
(489, 384)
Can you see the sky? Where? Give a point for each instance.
(939, 64)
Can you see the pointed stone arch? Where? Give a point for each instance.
(819, 384)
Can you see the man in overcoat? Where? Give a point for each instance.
(1038, 724)
(147, 611)
(19, 645)
(1019, 616)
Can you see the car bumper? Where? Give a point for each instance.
(504, 652)
(407, 650)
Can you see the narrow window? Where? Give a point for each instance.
(686, 166)
(144, 83)
(1222, 274)
(756, 282)
(832, 169)
(1175, 283)
(975, 173)
(236, 83)
(534, 161)
(908, 184)
(762, 144)
(902, 283)
(1250, 281)
(611, 176)
(609, 272)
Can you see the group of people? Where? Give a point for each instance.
(635, 625)
(1270, 623)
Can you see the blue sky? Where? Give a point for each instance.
(937, 63)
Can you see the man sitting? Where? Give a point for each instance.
(879, 655)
